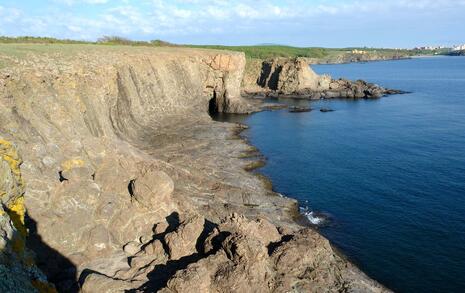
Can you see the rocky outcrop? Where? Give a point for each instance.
(238, 255)
(294, 78)
(128, 180)
(456, 53)
(360, 56)
(18, 272)
(252, 256)
(284, 76)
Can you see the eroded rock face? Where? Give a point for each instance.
(239, 260)
(151, 188)
(18, 272)
(243, 261)
(128, 180)
(295, 78)
(285, 76)
(183, 241)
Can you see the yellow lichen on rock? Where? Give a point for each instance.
(17, 265)
(73, 163)
(17, 212)
(10, 155)
(14, 204)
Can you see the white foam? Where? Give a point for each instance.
(315, 220)
(312, 216)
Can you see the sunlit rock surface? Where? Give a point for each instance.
(129, 184)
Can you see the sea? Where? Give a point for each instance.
(384, 179)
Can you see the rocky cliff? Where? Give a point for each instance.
(294, 78)
(18, 273)
(129, 185)
(360, 56)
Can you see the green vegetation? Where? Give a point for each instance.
(259, 52)
(105, 40)
(456, 53)
(38, 40)
(417, 52)
(270, 51)
(326, 54)
(18, 48)
(115, 40)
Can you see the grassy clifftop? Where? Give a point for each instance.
(316, 54)
(271, 51)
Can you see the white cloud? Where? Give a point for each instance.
(74, 2)
(96, 1)
(160, 18)
(8, 15)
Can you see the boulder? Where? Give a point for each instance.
(151, 188)
(261, 229)
(182, 242)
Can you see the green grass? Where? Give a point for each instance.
(22, 51)
(274, 51)
(259, 52)
(270, 51)
(105, 40)
(36, 40)
(21, 46)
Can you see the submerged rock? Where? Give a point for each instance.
(271, 107)
(324, 110)
(299, 109)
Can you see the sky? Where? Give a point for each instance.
(322, 23)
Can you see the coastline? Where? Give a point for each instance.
(297, 216)
(126, 175)
(258, 162)
(361, 225)
(351, 59)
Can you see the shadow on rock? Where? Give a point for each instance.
(161, 274)
(58, 269)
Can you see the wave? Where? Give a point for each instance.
(315, 218)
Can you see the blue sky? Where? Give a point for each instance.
(328, 23)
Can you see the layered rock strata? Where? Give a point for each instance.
(129, 183)
(294, 78)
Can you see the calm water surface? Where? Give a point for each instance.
(389, 173)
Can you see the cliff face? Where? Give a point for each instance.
(129, 184)
(360, 56)
(295, 78)
(17, 269)
(286, 76)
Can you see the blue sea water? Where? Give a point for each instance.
(389, 173)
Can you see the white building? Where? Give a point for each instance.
(430, 48)
(458, 48)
